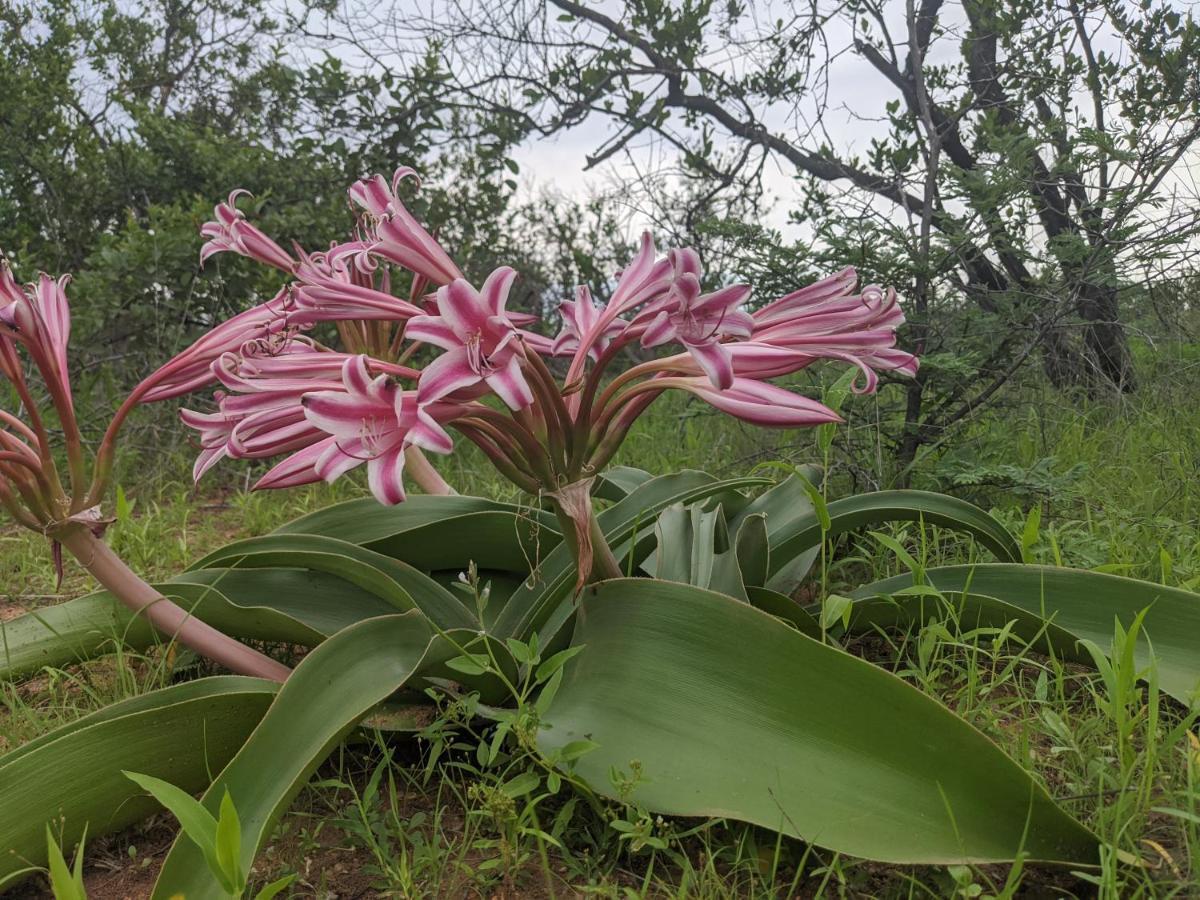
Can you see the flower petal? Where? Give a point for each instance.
(510, 385)
(714, 358)
(385, 476)
(448, 373)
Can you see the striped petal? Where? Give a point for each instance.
(385, 476)
(510, 385)
(714, 358)
(448, 373)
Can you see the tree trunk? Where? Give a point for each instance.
(1105, 342)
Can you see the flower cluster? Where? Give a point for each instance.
(329, 410)
(35, 329)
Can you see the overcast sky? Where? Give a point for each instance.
(856, 97)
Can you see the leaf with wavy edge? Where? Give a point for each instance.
(730, 713)
(439, 532)
(863, 510)
(330, 691)
(294, 606)
(391, 579)
(182, 734)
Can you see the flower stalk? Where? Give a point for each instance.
(168, 618)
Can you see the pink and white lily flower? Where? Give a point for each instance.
(826, 320)
(700, 323)
(373, 421)
(480, 340)
(757, 402)
(580, 317)
(230, 232)
(392, 232)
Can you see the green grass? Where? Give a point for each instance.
(1112, 486)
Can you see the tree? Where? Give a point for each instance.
(126, 123)
(1022, 175)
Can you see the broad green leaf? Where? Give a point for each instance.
(366, 662)
(435, 532)
(390, 579)
(1085, 604)
(752, 548)
(693, 548)
(618, 482)
(731, 713)
(321, 604)
(785, 507)
(783, 607)
(79, 629)
(181, 734)
(867, 510)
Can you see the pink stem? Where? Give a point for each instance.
(173, 621)
(424, 474)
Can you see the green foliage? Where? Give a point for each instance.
(219, 839)
(66, 883)
(180, 733)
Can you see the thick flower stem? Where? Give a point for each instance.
(171, 620)
(604, 562)
(581, 530)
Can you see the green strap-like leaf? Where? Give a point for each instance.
(619, 482)
(784, 607)
(867, 510)
(435, 532)
(693, 547)
(292, 606)
(390, 579)
(729, 712)
(334, 687)
(970, 611)
(1086, 605)
(321, 604)
(783, 507)
(181, 734)
(79, 629)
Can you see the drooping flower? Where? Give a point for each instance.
(269, 328)
(259, 412)
(757, 402)
(827, 320)
(480, 340)
(373, 421)
(579, 317)
(270, 423)
(333, 286)
(392, 232)
(230, 232)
